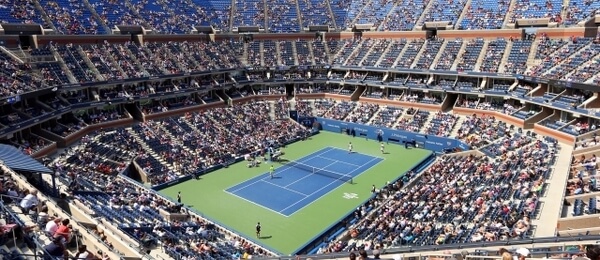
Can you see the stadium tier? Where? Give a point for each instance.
(299, 129)
(165, 17)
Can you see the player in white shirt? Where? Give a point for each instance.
(382, 148)
(350, 147)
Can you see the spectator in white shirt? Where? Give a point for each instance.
(83, 253)
(29, 201)
(52, 226)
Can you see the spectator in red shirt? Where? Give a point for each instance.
(64, 230)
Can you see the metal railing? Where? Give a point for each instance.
(422, 252)
(38, 251)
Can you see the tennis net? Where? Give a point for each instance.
(319, 171)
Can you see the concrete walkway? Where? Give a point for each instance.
(553, 201)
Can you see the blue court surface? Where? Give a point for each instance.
(293, 189)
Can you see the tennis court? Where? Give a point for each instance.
(297, 184)
(208, 195)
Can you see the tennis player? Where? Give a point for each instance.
(350, 147)
(382, 148)
(271, 170)
(258, 227)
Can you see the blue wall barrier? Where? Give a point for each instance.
(428, 142)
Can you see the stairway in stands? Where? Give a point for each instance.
(148, 149)
(458, 125)
(376, 114)
(272, 114)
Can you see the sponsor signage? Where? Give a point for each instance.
(429, 142)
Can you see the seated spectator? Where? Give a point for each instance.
(52, 227)
(593, 252)
(83, 253)
(64, 231)
(43, 217)
(29, 202)
(57, 249)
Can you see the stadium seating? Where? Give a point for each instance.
(499, 88)
(215, 13)
(410, 54)
(269, 53)
(70, 17)
(94, 169)
(537, 9)
(517, 58)
(340, 110)
(113, 13)
(468, 103)
(374, 12)
(580, 11)
(287, 53)
(414, 121)
(347, 48)
(303, 53)
(137, 214)
(323, 106)
(577, 59)
(493, 56)
(564, 51)
(404, 15)
(340, 10)
(411, 207)
(362, 113)
(448, 55)
(21, 11)
(304, 108)
(76, 63)
(379, 46)
(477, 131)
(471, 55)
(484, 14)
(444, 11)
(359, 53)
(313, 12)
(441, 124)
(99, 17)
(387, 116)
(428, 54)
(394, 50)
(282, 16)
(319, 52)
(249, 13)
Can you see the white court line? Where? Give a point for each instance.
(334, 181)
(267, 176)
(317, 153)
(316, 199)
(308, 175)
(336, 148)
(286, 188)
(264, 207)
(335, 160)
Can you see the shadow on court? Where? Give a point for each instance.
(265, 237)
